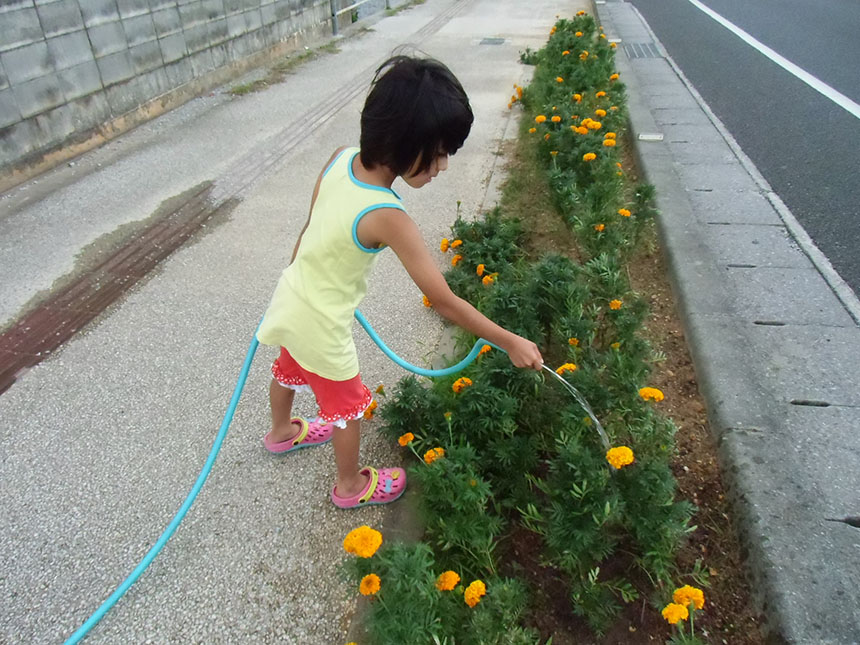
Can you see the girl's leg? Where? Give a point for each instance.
(281, 401)
(345, 441)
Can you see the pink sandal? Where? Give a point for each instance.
(313, 433)
(385, 485)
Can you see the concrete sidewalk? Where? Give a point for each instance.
(775, 341)
(102, 441)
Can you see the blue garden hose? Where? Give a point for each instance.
(108, 604)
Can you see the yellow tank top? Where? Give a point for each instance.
(312, 308)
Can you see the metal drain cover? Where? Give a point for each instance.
(641, 50)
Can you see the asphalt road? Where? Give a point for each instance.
(804, 144)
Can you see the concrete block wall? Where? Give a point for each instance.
(75, 71)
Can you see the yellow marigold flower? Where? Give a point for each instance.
(567, 367)
(594, 125)
(461, 383)
(540, 118)
(619, 456)
(369, 584)
(615, 345)
(488, 280)
(553, 152)
(473, 593)
(623, 211)
(426, 301)
(577, 98)
(447, 581)
(582, 129)
(363, 541)
(405, 439)
(480, 269)
(559, 79)
(609, 143)
(368, 413)
(578, 34)
(456, 243)
(565, 53)
(581, 13)
(433, 454)
(574, 117)
(556, 119)
(546, 137)
(600, 112)
(600, 94)
(583, 55)
(589, 156)
(603, 36)
(573, 342)
(445, 245)
(532, 130)
(615, 304)
(609, 135)
(614, 77)
(613, 45)
(599, 227)
(456, 259)
(554, 108)
(651, 394)
(552, 31)
(687, 594)
(673, 613)
(447, 415)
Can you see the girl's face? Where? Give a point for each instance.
(440, 163)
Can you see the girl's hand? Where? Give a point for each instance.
(524, 353)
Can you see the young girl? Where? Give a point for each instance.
(415, 115)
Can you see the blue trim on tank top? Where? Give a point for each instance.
(358, 182)
(362, 214)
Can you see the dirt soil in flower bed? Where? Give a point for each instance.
(728, 617)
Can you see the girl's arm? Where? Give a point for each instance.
(313, 200)
(397, 230)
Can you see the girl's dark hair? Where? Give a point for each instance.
(416, 109)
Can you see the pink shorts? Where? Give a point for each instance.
(338, 401)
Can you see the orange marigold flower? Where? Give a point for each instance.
(363, 541)
(540, 118)
(456, 243)
(565, 52)
(609, 143)
(582, 130)
(405, 439)
(600, 94)
(619, 456)
(546, 137)
(603, 36)
(520, 91)
(594, 125)
(615, 345)
(600, 112)
(532, 130)
(488, 280)
(599, 227)
(581, 13)
(480, 269)
(473, 593)
(485, 349)
(609, 135)
(567, 367)
(615, 304)
(433, 454)
(559, 79)
(447, 581)
(368, 413)
(553, 153)
(573, 342)
(456, 259)
(583, 56)
(577, 98)
(589, 156)
(578, 34)
(556, 118)
(624, 212)
(426, 301)
(461, 383)
(613, 45)
(552, 31)
(445, 245)
(614, 77)
(369, 584)
(674, 612)
(651, 394)
(687, 594)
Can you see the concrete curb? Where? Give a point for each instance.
(747, 296)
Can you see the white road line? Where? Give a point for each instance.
(819, 86)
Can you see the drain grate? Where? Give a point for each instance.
(642, 50)
(492, 41)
